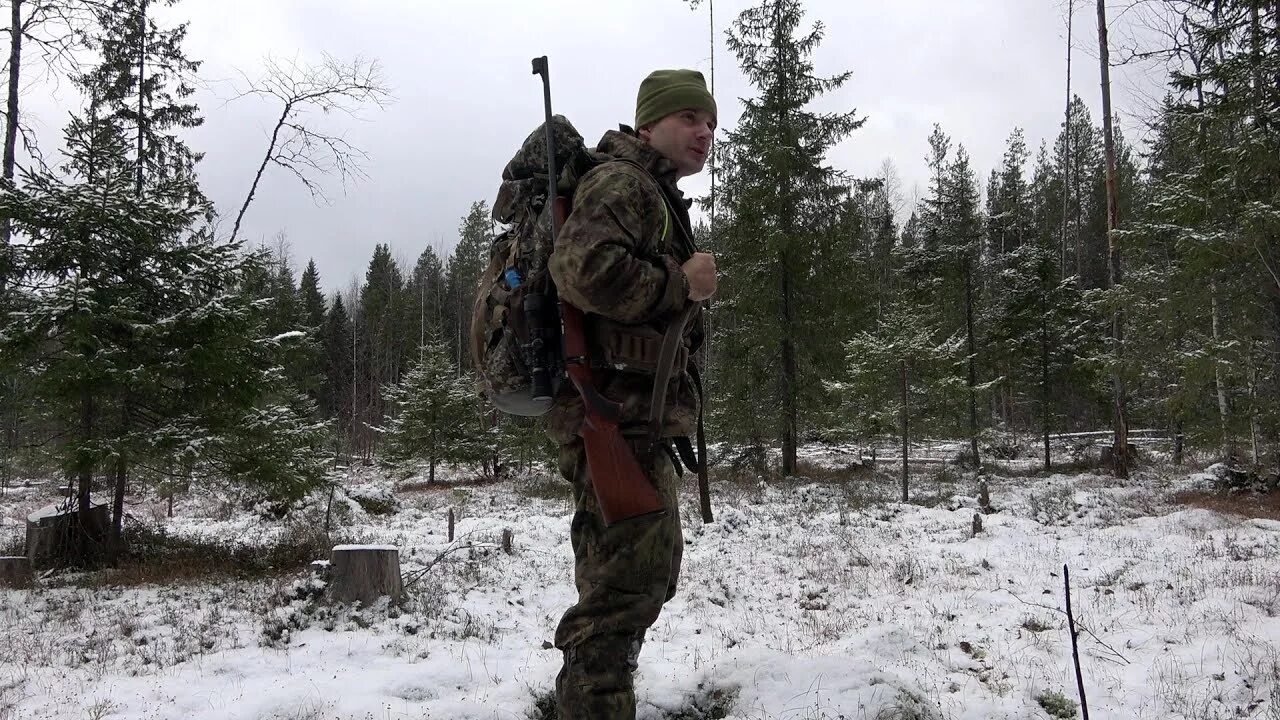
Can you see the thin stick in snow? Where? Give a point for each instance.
(1075, 650)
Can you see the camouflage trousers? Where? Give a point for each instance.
(624, 575)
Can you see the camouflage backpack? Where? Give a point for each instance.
(515, 323)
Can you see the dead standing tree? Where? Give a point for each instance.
(1120, 454)
(332, 86)
(55, 32)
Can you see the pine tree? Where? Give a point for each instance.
(781, 205)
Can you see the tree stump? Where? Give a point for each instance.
(1108, 458)
(984, 498)
(15, 571)
(364, 573)
(56, 532)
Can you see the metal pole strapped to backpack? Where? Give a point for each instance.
(622, 489)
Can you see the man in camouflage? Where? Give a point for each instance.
(623, 256)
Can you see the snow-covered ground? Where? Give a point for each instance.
(804, 600)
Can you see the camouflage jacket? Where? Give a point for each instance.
(618, 258)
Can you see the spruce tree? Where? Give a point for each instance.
(1080, 176)
(309, 373)
(379, 344)
(1007, 228)
(285, 314)
(313, 306)
(122, 238)
(144, 83)
(943, 270)
(336, 399)
(134, 367)
(781, 204)
(1008, 211)
(899, 376)
(437, 415)
(1201, 288)
(425, 301)
(462, 273)
(72, 333)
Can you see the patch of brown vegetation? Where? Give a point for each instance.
(132, 574)
(156, 558)
(1249, 505)
(421, 485)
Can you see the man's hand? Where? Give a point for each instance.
(701, 272)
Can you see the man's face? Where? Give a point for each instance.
(684, 138)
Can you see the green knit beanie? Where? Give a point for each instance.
(668, 91)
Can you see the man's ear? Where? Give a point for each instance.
(646, 132)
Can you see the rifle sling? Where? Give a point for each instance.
(671, 343)
(684, 455)
(672, 340)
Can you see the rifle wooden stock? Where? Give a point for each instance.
(622, 489)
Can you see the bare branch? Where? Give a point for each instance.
(33, 150)
(1275, 278)
(58, 28)
(309, 153)
(411, 579)
(1115, 654)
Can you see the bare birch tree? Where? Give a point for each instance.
(306, 151)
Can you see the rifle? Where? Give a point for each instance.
(622, 489)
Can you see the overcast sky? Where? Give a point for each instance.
(465, 98)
